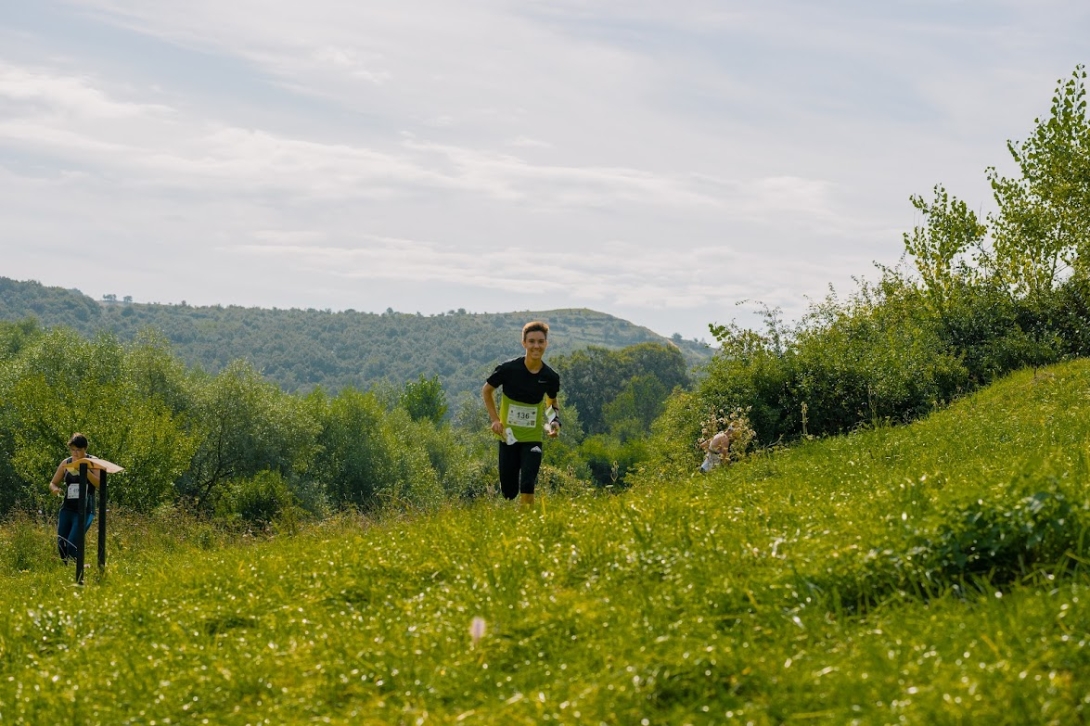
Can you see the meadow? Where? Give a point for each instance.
(927, 573)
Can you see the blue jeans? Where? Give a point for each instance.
(67, 532)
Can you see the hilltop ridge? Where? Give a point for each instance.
(302, 349)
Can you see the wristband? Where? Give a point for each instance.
(553, 416)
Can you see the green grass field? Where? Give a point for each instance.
(925, 574)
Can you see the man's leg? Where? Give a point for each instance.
(66, 534)
(509, 470)
(531, 465)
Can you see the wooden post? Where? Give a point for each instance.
(101, 519)
(81, 535)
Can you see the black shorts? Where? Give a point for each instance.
(519, 464)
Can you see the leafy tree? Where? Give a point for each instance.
(1042, 230)
(424, 399)
(244, 425)
(63, 383)
(369, 457)
(15, 336)
(630, 414)
(592, 378)
(945, 247)
(665, 362)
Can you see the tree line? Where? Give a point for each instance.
(233, 445)
(300, 350)
(973, 299)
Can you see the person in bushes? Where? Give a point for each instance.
(527, 412)
(68, 518)
(717, 449)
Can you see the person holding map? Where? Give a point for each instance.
(527, 412)
(68, 518)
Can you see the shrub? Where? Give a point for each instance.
(610, 460)
(258, 500)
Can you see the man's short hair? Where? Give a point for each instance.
(535, 326)
(78, 440)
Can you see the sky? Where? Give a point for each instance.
(675, 164)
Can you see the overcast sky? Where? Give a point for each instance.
(658, 161)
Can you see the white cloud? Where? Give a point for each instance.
(658, 161)
(70, 97)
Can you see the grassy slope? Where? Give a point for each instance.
(923, 574)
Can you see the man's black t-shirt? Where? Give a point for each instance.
(521, 385)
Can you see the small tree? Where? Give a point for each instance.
(1042, 229)
(424, 399)
(245, 425)
(941, 248)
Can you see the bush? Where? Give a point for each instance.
(610, 460)
(258, 500)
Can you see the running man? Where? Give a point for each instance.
(527, 412)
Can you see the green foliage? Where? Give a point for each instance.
(60, 384)
(1042, 230)
(610, 460)
(751, 371)
(792, 587)
(595, 377)
(245, 425)
(300, 350)
(231, 445)
(369, 458)
(563, 482)
(353, 455)
(986, 299)
(590, 378)
(257, 501)
(424, 399)
(943, 248)
(673, 450)
(15, 336)
(632, 411)
(24, 546)
(877, 357)
(430, 465)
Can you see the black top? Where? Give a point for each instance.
(71, 493)
(521, 385)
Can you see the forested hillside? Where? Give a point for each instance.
(302, 349)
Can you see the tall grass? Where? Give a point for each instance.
(931, 573)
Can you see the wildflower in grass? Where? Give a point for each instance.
(477, 630)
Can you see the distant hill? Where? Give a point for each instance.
(301, 349)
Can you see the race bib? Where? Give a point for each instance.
(521, 421)
(73, 490)
(521, 415)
